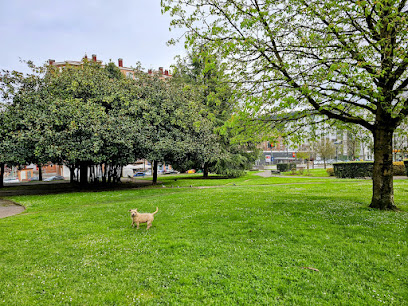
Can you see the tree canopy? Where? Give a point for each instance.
(312, 61)
(92, 118)
(214, 149)
(76, 115)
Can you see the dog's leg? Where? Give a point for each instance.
(149, 224)
(137, 225)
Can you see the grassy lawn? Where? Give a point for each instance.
(216, 243)
(311, 172)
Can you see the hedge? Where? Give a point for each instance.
(353, 169)
(284, 167)
(364, 169)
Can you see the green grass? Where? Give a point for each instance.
(220, 244)
(311, 172)
(196, 180)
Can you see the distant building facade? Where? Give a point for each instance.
(127, 71)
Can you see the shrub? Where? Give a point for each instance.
(406, 166)
(398, 168)
(284, 167)
(330, 171)
(364, 169)
(353, 169)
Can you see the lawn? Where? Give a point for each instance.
(251, 240)
(319, 172)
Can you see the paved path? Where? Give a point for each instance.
(8, 208)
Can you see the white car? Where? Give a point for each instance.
(10, 180)
(54, 178)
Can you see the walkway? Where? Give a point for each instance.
(8, 208)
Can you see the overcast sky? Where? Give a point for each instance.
(39, 30)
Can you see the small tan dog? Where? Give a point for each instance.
(142, 218)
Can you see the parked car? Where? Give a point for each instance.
(171, 172)
(34, 178)
(139, 174)
(10, 180)
(54, 178)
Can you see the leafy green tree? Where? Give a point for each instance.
(344, 61)
(214, 150)
(168, 114)
(20, 141)
(304, 156)
(325, 149)
(113, 71)
(76, 116)
(5, 141)
(90, 117)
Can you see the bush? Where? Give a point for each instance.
(285, 168)
(398, 168)
(330, 171)
(353, 169)
(364, 169)
(406, 166)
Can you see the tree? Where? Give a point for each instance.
(344, 61)
(77, 116)
(89, 108)
(4, 142)
(17, 145)
(169, 116)
(213, 149)
(304, 156)
(325, 149)
(353, 145)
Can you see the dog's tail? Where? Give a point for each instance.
(157, 209)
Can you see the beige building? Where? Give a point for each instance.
(127, 71)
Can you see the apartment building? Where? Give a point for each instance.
(127, 71)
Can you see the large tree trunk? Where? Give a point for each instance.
(205, 171)
(1, 174)
(383, 189)
(71, 173)
(40, 174)
(83, 174)
(155, 163)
